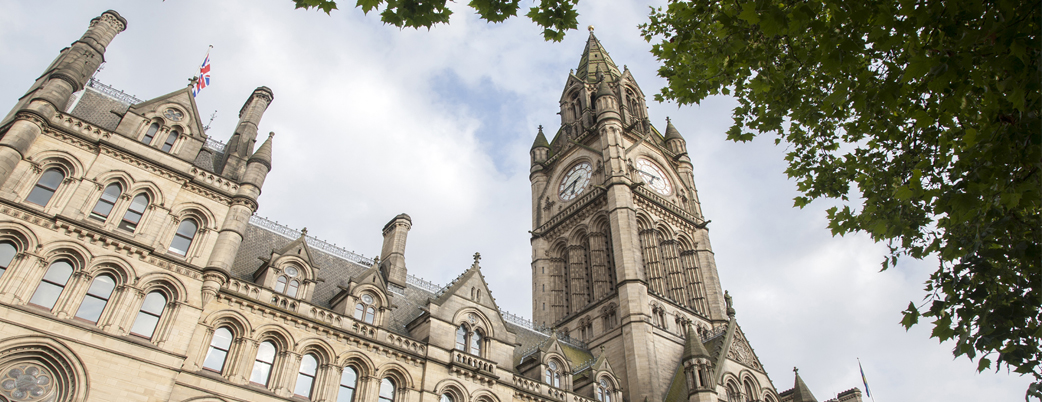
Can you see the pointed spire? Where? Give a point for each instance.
(693, 347)
(800, 391)
(263, 154)
(595, 58)
(540, 140)
(671, 132)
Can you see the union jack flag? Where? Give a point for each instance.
(204, 75)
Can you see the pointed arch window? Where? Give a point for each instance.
(46, 187)
(604, 391)
(553, 374)
(348, 384)
(169, 143)
(219, 345)
(96, 299)
(387, 390)
(184, 236)
(287, 283)
(150, 134)
(306, 376)
(262, 364)
(134, 213)
(364, 310)
(149, 315)
(7, 253)
(476, 340)
(461, 338)
(108, 199)
(750, 394)
(52, 285)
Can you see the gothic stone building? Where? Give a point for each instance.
(132, 267)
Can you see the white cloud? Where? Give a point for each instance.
(364, 132)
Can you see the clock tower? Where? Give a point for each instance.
(620, 249)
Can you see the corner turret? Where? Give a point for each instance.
(259, 164)
(698, 369)
(240, 146)
(540, 148)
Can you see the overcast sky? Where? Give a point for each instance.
(372, 121)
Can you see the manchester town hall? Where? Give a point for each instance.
(132, 267)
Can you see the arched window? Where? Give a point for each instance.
(7, 253)
(461, 338)
(134, 213)
(750, 394)
(147, 319)
(97, 297)
(364, 310)
(169, 144)
(150, 134)
(46, 187)
(553, 374)
(52, 284)
(262, 365)
(348, 383)
(475, 342)
(604, 391)
(219, 345)
(732, 393)
(108, 199)
(288, 278)
(306, 376)
(446, 398)
(387, 390)
(183, 238)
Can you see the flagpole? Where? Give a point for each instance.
(865, 380)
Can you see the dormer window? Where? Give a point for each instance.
(553, 374)
(288, 283)
(604, 391)
(169, 143)
(150, 134)
(364, 310)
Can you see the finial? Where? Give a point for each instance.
(540, 128)
(667, 120)
(590, 28)
(304, 231)
(192, 81)
(795, 370)
(272, 134)
(477, 257)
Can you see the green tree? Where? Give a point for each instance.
(920, 117)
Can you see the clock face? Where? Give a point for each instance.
(653, 176)
(575, 181)
(173, 114)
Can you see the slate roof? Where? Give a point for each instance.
(99, 109)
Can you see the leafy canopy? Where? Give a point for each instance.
(926, 113)
(921, 117)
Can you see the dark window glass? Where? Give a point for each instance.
(105, 203)
(219, 345)
(45, 187)
(147, 319)
(52, 284)
(134, 213)
(183, 237)
(262, 365)
(150, 134)
(306, 376)
(7, 253)
(348, 383)
(169, 144)
(97, 297)
(387, 390)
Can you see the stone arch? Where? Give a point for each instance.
(233, 320)
(205, 399)
(396, 373)
(48, 356)
(66, 162)
(23, 238)
(200, 213)
(483, 395)
(462, 315)
(452, 387)
(320, 348)
(278, 335)
(119, 268)
(155, 194)
(361, 363)
(78, 255)
(169, 285)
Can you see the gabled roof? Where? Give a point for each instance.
(595, 58)
(372, 276)
(298, 248)
(182, 97)
(459, 286)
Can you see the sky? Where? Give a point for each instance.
(372, 121)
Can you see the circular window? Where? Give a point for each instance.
(291, 272)
(173, 114)
(27, 383)
(367, 299)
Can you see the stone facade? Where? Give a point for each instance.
(132, 267)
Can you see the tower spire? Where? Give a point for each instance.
(595, 58)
